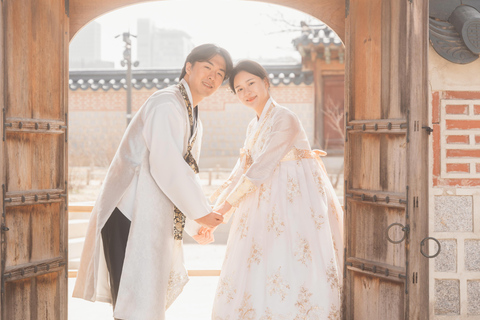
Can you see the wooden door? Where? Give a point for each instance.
(386, 152)
(34, 44)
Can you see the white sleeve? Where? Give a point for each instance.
(191, 227)
(164, 134)
(278, 143)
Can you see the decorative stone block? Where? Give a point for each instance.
(453, 213)
(446, 261)
(447, 297)
(472, 255)
(473, 297)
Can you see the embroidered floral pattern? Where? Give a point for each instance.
(332, 276)
(264, 194)
(306, 311)
(242, 225)
(333, 207)
(318, 219)
(276, 284)
(317, 177)
(334, 313)
(274, 223)
(255, 254)
(268, 315)
(246, 311)
(226, 288)
(176, 281)
(293, 189)
(303, 252)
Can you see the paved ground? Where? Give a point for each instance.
(195, 302)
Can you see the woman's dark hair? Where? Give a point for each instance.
(206, 52)
(251, 67)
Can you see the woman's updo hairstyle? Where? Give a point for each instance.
(250, 67)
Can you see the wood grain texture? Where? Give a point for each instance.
(332, 12)
(34, 91)
(34, 233)
(386, 74)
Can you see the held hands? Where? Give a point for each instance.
(223, 208)
(211, 220)
(205, 235)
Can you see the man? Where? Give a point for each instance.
(132, 255)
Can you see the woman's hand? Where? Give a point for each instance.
(223, 208)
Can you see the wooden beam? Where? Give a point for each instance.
(332, 12)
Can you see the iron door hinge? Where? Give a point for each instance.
(428, 129)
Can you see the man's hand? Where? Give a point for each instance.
(204, 236)
(223, 208)
(211, 220)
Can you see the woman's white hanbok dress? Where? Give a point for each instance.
(284, 252)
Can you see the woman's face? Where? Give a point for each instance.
(251, 90)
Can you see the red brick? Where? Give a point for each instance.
(436, 107)
(477, 139)
(462, 139)
(477, 167)
(456, 109)
(458, 153)
(436, 150)
(461, 95)
(463, 124)
(458, 167)
(476, 109)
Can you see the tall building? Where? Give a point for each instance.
(85, 49)
(161, 48)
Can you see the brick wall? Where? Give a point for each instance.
(97, 122)
(455, 204)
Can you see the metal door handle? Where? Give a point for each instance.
(422, 244)
(405, 229)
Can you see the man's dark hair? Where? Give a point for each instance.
(251, 67)
(206, 52)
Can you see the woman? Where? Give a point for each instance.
(283, 258)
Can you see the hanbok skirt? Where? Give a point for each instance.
(282, 260)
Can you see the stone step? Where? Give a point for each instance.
(77, 228)
(75, 247)
(73, 264)
(78, 215)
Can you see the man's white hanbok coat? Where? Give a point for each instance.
(148, 176)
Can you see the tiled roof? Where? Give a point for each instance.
(115, 79)
(322, 35)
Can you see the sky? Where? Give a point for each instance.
(247, 29)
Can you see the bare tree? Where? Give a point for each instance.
(335, 115)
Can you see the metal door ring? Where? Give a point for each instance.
(423, 244)
(403, 229)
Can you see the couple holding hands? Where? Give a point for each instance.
(284, 252)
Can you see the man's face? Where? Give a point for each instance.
(204, 77)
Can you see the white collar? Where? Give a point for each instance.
(265, 108)
(189, 93)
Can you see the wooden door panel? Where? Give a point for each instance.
(377, 299)
(368, 234)
(35, 161)
(378, 162)
(34, 233)
(34, 39)
(35, 298)
(366, 41)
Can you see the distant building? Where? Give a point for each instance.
(86, 51)
(161, 48)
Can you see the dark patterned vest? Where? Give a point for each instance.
(179, 219)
